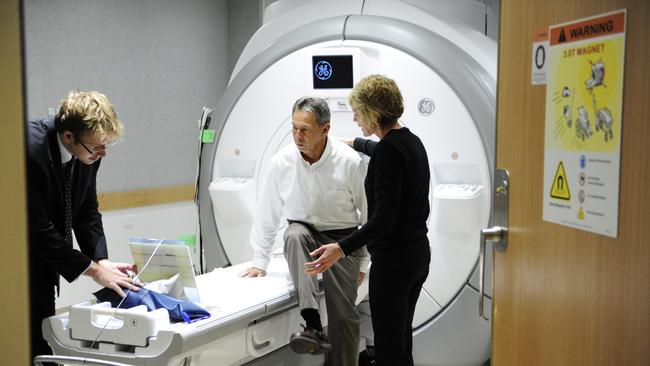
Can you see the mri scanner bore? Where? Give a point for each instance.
(446, 72)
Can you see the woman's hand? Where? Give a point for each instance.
(327, 254)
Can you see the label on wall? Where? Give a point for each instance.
(584, 111)
(538, 59)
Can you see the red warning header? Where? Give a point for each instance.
(591, 28)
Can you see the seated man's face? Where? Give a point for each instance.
(309, 136)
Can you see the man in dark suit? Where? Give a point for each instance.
(63, 156)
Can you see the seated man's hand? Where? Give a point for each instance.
(253, 272)
(108, 276)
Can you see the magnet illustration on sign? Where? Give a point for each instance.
(560, 187)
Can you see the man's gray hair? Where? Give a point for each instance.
(315, 105)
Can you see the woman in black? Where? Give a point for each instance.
(397, 189)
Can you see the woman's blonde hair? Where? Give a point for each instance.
(377, 100)
(88, 112)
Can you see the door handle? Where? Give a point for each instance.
(494, 234)
(497, 234)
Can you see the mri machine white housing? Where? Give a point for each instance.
(447, 62)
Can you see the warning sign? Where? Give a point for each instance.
(600, 26)
(583, 122)
(560, 187)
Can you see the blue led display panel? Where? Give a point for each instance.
(332, 72)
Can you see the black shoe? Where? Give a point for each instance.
(367, 357)
(310, 341)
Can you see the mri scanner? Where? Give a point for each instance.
(446, 71)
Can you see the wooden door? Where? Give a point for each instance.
(14, 317)
(564, 296)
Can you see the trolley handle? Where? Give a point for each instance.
(75, 361)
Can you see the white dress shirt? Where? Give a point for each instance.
(327, 194)
(66, 156)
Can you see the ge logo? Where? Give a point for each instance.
(426, 107)
(323, 70)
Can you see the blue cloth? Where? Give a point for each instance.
(179, 310)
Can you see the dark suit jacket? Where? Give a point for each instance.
(50, 255)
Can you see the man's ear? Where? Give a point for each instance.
(326, 128)
(67, 137)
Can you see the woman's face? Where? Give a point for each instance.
(366, 127)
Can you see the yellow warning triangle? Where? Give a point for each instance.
(581, 214)
(560, 188)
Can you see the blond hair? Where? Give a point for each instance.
(377, 100)
(88, 112)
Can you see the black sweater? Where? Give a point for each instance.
(397, 189)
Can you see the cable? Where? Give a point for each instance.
(204, 123)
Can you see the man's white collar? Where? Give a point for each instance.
(66, 156)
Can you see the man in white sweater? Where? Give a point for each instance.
(317, 185)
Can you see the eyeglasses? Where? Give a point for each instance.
(98, 149)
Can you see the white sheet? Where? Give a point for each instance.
(224, 292)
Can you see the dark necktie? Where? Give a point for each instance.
(67, 200)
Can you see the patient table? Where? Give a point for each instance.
(250, 317)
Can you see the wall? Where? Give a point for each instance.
(158, 61)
